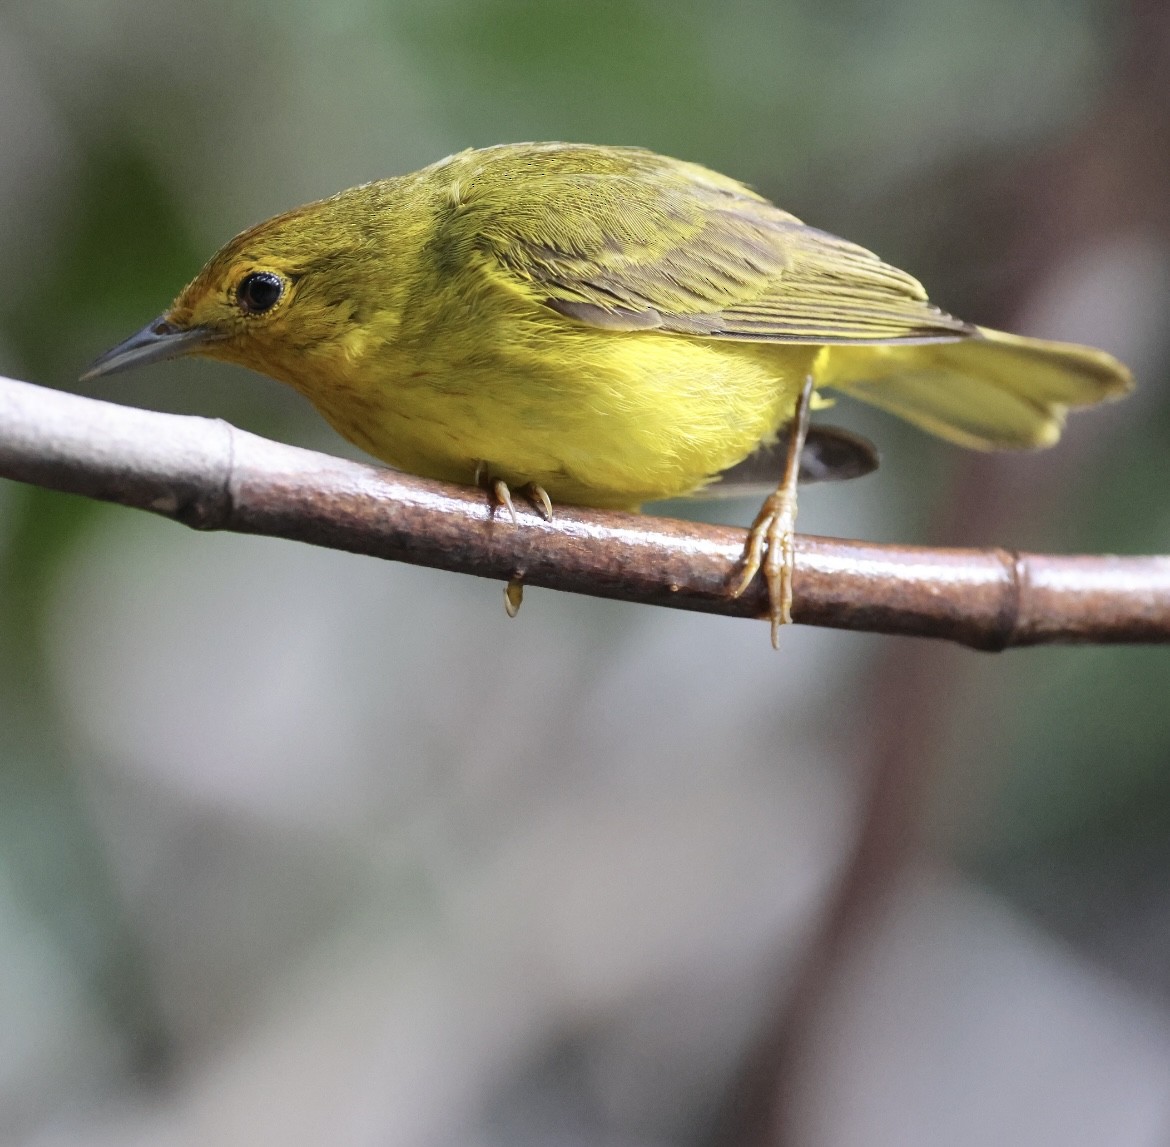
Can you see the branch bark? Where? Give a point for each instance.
(211, 476)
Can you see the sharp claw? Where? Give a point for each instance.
(514, 590)
(540, 498)
(751, 567)
(503, 497)
(770, 545)
(753, 552)
(741, 586)
(779, 566)
(513, 597)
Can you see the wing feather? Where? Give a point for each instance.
(644, 242)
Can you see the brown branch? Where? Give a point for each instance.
(212, 476)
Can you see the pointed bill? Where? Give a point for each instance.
(156, 341)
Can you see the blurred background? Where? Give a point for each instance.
(298, 847)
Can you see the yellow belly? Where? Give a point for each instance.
(596, 417)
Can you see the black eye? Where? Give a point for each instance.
(259, 292)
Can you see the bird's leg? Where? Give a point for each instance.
(775, 525)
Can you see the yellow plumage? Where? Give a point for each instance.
(610, 324)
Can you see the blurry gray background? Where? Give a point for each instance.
(298, 847)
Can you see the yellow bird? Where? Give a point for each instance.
(602, 326)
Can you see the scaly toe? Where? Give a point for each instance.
(778, 569)
(751, 566)
(753, 553)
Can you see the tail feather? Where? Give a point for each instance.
(993, 391)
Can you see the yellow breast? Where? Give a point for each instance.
(596, 417)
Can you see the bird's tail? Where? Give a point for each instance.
(992, 391)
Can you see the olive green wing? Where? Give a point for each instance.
(669, 246)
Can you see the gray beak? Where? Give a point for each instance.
(156, 341)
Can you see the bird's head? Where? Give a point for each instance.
(275, 298)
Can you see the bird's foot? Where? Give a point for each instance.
(771, 544)
(772, 538)
(502, 496)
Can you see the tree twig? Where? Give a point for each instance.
(212, 476)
